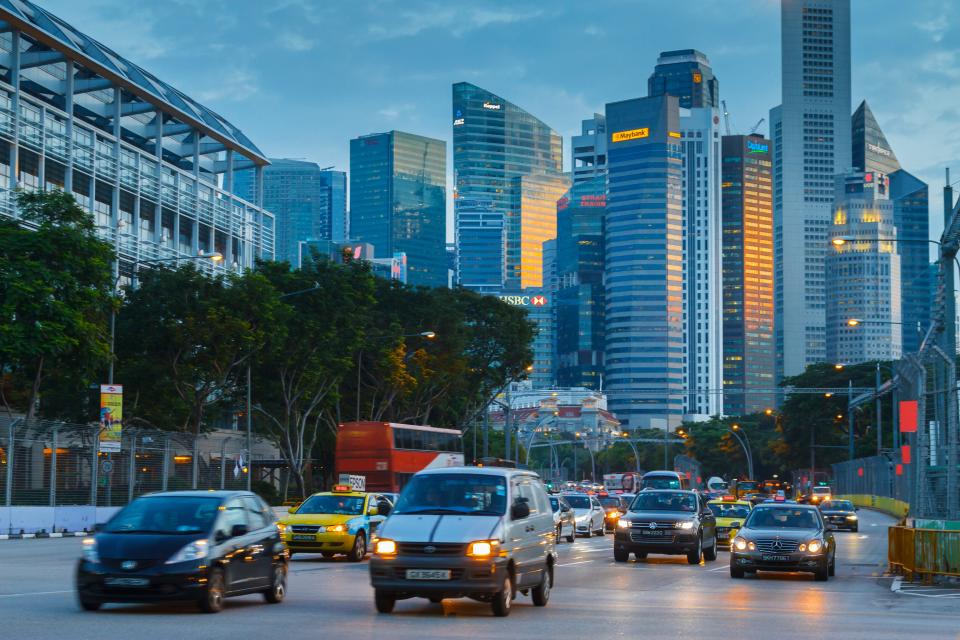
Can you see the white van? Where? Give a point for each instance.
(483, 533)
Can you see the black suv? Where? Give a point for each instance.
(841, 514)
(672, 522)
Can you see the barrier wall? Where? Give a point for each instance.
(14, 520)
(889, 506)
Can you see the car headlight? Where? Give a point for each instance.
(582, 519)
(814, 546)
(385, 547)
(89, 550)
(282, 527)
(483, 548)
(851, 517)
(686, 524)
(196, 550)
(337, 528)
(739, 543)
(623, 524)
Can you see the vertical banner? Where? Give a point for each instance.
(905, 454)
(111, 417)
(908, 416)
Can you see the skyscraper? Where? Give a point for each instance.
(911, 216)
(811, 143)
(580, 296)
(748, 349)
(863, 273)
(702, 263)
(590, 149)
(871, 151)
(531, 221)
(398, 201)
(644, 262)
(504, 159)
(687, 75)
(308, 202)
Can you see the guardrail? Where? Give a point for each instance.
(923, 552)
(889, 506)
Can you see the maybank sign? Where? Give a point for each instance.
(632, 134)
(525, 301)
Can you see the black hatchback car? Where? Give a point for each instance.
(197, 546)
(667, 521)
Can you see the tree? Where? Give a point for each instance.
(55, 298)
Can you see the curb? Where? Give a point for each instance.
(28, 536)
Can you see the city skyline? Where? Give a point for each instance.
(409, 90)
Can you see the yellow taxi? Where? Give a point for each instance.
(335, 522)
(730, 513)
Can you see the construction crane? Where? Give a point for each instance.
(757, 126)
(726, 116)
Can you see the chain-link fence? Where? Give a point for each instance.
(58, 465)
(874, 476)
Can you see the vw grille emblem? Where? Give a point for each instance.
(653, 525)
(129, 564)
(429, 548)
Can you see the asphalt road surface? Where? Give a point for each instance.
(593, 598)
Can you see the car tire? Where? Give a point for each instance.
(88, 604)
(855, 529)
(588, 534)
(736, 572)
(711, 554)
(822, 574)
(503, 599)
(694, 555)
(541, 593)
(602, 531)
(359, 550)
(278, 585)
(621, 555)
(214, 593)
(384, 601)
(832, 571)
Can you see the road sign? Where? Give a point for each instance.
(107, 466)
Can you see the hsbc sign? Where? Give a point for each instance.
(525, 301)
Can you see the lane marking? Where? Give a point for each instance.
(719, 569)
(570, 564)
(33, 593)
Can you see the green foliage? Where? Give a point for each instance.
(55, 299)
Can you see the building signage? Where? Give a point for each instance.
(492, 106)
(631, 134)
(757, 147)
(878, 149)
(525, 301)
(111, 417)
(673, 134)
(458, 122)
(593, 201)
(697, 77)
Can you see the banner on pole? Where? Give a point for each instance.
(908, 416)
(905, 454)
(111, 417)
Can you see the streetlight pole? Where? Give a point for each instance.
(736, 431)
(850, 419)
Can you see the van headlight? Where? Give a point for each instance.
(623, 524)
(196, 550)
(385, 547)
(686, 525)
(483, 548)
(89, 550)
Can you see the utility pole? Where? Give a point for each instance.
(878, 412)
(850, 419)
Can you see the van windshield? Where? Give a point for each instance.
(454, 494)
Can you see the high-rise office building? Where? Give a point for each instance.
(309, 202)
(811, 145)
(749, 361)
(911, 216)
(702, 263)
(870, 151)
(504, 159)
(580, 294)
(863, 273)
(398, 201)
(153, 166)
(590, 149)
(687, 75)
(644, 262)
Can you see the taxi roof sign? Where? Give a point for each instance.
(729, 498)
(342, 488)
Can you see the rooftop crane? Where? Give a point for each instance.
(757, 126)
(726, 116)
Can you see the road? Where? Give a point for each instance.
(593, 597)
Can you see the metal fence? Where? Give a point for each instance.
(873, 476)
(53, 464)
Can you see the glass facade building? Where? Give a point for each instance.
(748, 349)
(153, 166)
(911, 216)
(398, 201)
(531, 221)
(580, 293)
(498, 149)
(308, 203)
(687, 75)
(870, 151)
(644, 263)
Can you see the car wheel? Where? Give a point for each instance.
(621, 555)
(541, 592)
(278, 585)
(711, 554)
(736, 572)
(359, 548)
(88, 604)
(602, 531)
(384, 601)
(833, 567)
(695, 554)
(589, 533)
(822, 574)
(503, 599)
(212, 599)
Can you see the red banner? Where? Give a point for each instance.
(905, 454)
(908, 416)
(899, 469)
(860, 472)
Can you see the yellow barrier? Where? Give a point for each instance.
(924, 552)
(890, 506)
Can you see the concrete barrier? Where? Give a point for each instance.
(13, 520)
(889, 506)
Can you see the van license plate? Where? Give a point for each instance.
(126, 582)
(428, 574)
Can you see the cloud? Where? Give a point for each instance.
(296, 42)
(936, 27)
(594, 30)
(457, 21)
(395, 111)
(236, 85)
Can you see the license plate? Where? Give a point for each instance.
(428, 574)
(652, 532)
(723, 535)
(126, 582)
(303, 537)
(775, 558)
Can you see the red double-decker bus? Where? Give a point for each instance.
(388, 453)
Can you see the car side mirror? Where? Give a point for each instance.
(293, 509)
(734, 525)
(519, 510)
(238, 530)
(372, 511)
